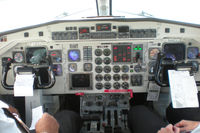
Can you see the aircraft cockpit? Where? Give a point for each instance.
(96, 67)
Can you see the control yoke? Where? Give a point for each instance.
(38, 84)
(6, 62)
(163, 64)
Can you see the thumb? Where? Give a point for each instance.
(183, 128)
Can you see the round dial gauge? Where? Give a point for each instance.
(87, 67)
(72, 67)
(153, 53)
(18, 57)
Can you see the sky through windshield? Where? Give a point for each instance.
(21, 13)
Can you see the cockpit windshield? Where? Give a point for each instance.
(22, 13)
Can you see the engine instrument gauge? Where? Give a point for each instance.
(153, 52)
(122, 53)
(192, 52)
(18, 57)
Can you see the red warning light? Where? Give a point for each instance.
(124, 59)
(115, 48)
(115, 58)
(9, 59)
(54, 54)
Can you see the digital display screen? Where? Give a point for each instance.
(103, 27)
(56, 56)
(80, 81)
(84, 30)
(121, 53)
(36, 55)
(192, 52)
(74, 55)
(175, 51)
(123, 29)
(57, 69)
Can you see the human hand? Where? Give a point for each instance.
(13, 110)
(169, 129)
(186, 125)
(47, 124)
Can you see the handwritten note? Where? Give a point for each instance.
(183, 89)
(23, 85)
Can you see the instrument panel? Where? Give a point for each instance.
(93, 56)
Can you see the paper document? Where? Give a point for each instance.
(36, 115)
(153, 92)
(23, 85)
(183, 89)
